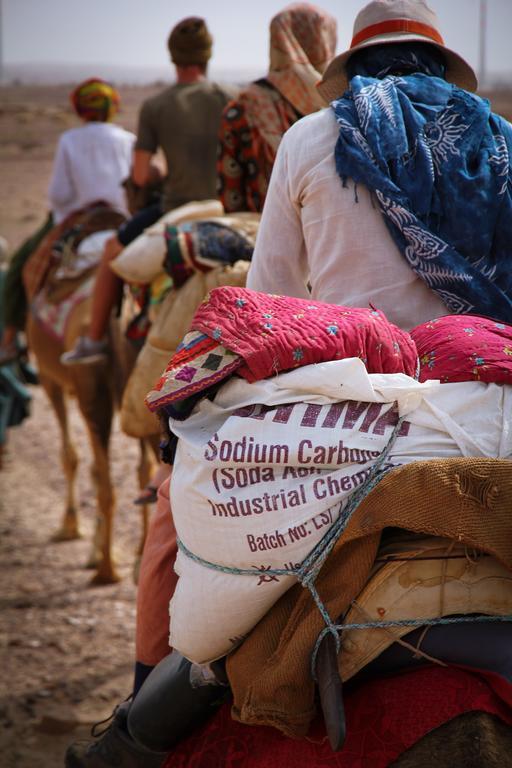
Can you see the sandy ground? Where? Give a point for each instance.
(66, 649)
(31, 120)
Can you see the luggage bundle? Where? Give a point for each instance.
(323, 445)
(199, 248)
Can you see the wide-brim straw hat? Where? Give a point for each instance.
(395, 21)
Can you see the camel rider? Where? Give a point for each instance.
(90, 164)
(302, 42)
(398, 194)
(183, 121)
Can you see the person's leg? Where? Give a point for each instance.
(13, 300)
(150, 493)
(108, 286)
(157, 582)
(135, 226)
(8, 345)
(108, 291)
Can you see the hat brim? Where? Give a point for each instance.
(334, 82)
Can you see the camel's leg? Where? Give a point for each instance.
(96, 404)
(95, 553)
(69, 527)
(145, 471)
(102, 543)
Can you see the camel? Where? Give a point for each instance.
(97, 389)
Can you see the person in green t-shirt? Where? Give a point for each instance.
(183, 122)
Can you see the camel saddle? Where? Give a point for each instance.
(457, 508)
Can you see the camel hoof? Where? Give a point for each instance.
(101, 579)
(65, 534)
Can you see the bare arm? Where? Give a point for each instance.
(141, 170)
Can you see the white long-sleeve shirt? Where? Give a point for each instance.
(90, 164)
(313, 230)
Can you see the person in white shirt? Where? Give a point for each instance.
(91, 162)
(368, 202)
(313, 232)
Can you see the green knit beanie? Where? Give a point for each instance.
(190, 42)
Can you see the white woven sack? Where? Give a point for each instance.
(261, 471)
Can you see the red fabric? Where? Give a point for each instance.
(157, 582)
(384, 718)
(278, 333)
(408, 26)
(464, 348)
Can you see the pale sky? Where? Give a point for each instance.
(132, 33)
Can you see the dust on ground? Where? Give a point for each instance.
(66, 649)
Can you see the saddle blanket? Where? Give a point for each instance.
(55, 317)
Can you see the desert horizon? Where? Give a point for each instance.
(32, 117)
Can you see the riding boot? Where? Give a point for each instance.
(172, 702)
(112, 747)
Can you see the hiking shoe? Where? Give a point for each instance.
(113, 747)
(85, 352)
(148, 496)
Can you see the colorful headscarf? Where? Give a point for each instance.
(95, 100)
(302, 42)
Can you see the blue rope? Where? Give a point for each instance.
(430, 622)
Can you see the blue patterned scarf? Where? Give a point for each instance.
(438, 161)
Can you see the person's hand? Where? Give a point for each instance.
(112, 248)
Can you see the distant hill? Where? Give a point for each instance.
(57, 73)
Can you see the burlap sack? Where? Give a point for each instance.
(466, 500)
(171, 325)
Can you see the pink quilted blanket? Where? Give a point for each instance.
(464, 348)
(259, 335)
(278, 333)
